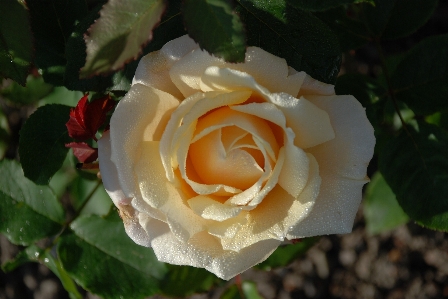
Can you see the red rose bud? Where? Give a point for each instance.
(83, 151)
(86, 118)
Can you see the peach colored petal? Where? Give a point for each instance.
(214, 165)
(159, 193)
(141, 115)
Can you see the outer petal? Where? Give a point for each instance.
(141, 115)
(111, 184)
(204, 251)
(343, 164)
(109, 173)
(311, 86)
(310, 124)
(270, 71)
(153, 69)
(159, 193)
(349, 153)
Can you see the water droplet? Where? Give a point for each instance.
(46, 260)
(36, 254)
(7, 230)
(21, 229)
(40, 191)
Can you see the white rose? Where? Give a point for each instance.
(214, 164)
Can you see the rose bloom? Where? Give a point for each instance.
(214, 164)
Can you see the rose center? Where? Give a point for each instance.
(232, 148)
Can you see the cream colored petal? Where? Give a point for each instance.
(270, 71)
(153, 69)
(310, 124)
(267, 111)
(311, 86)
(334, 210)
(204, 251)
(227, 228)
(349, 153)
(343, 165)
(186, 73)
(209, 208)
(248, 195)
(294, 173)
(274, 216)
(170, 129)
(132, 225)
(140, 205)
(141, 115)
(306, 200)
(215, 78)
(272, 181)
(109, 173)
(159, 193)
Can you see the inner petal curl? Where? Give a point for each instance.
(223, 150)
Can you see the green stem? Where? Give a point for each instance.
(67, 224)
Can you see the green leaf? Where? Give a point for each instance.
(170, 27)
(30, 254)
(417, 171)
(16, 47)
(302, 39)
(63, 96)
(216, 28)
(248, 290)
(41, 144)
(75, 52)
(439, 119)
(381, 209)
(118, 35)
(351, 33)
(35, 254)
(182, 281)
(391, 19)
(27, 212)
(35, 90)
(420, 79)
(101, 258)
(313, 5)
(52, 22)
(284, 255)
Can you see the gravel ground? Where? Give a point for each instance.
(408, 262)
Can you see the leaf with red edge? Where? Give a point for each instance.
(86, 118)
(83, 151)
(118, 35)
